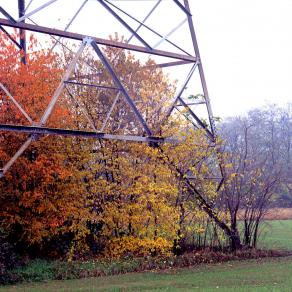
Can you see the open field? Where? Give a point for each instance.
(276, 234)
(264, 275)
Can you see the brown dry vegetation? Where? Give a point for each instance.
(274, 214)
(279, 214)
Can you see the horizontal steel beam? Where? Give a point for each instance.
(81, 133)
(169, 64)
(105, 42)
(91, 85)
(193, 103)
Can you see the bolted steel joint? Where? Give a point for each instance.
(87, 40)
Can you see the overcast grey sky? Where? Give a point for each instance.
(246, 48)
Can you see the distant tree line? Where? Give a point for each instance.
(257, 166)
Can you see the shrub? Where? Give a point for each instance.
(35, 271)
(129, 246)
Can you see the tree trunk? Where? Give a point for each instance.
(235, 242)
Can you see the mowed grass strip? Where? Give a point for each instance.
(261, 275)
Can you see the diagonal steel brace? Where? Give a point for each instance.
(121, 87)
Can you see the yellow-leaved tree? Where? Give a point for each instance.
(109, 198)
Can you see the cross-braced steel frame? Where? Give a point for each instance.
(24, 24)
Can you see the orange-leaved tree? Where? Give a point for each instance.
(36, 194)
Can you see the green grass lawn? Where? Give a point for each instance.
(252, 275)
(276, 235)
(263, 275)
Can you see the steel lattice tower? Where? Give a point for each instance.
(145, 40)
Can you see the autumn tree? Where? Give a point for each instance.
(36, 199)
(99, 196)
